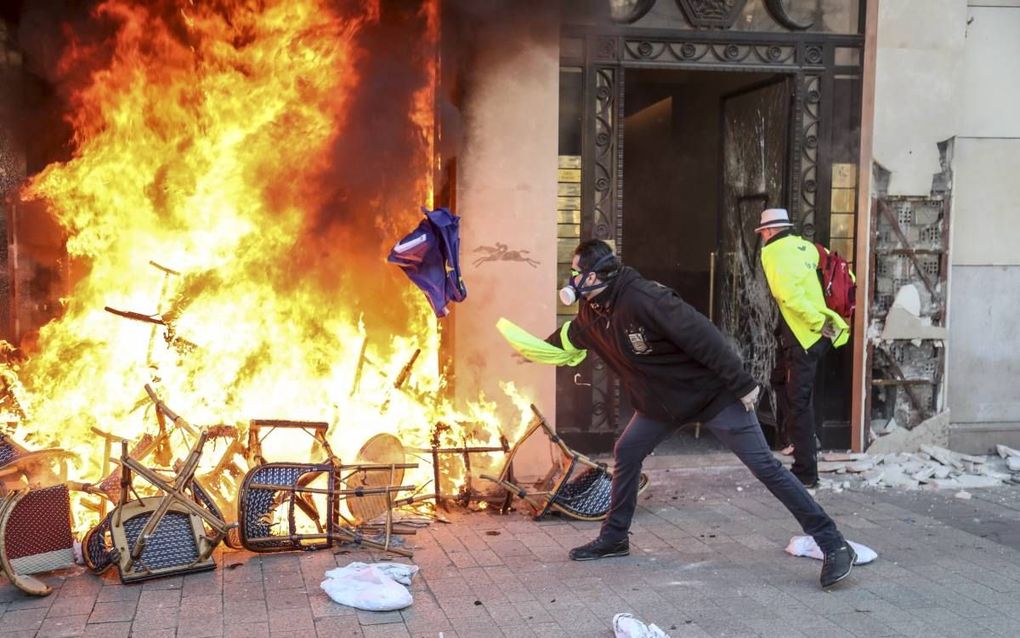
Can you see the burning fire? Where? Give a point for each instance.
(198, 195)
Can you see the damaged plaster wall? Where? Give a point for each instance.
(507, 197)
(919, 60)
(946, 71)
(984, 349)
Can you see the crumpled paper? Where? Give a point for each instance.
(372, 587)
(627, 626)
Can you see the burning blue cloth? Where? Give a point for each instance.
(430, 257)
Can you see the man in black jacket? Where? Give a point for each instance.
(676, 368)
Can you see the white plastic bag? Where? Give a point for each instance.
(373, 587)
(806, 546)
(627, 626)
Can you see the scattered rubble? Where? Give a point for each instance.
(890, 437)
(930, 467)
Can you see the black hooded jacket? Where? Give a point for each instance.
(675, 365)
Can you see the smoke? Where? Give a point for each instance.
(373, 185)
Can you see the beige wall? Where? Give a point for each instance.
(985, 276)
(507, 194)
(947, 70)
(986, 204)
(920, 52)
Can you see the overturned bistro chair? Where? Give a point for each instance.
(555, 478)
(35, 535)
(296, 506)
(287, 506)
(173, 532)
(21, 467)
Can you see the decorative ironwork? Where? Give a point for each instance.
(707, 53)
(809, 122)
(605, 49)
(807, 60)
(711, 13)
(779, 14)
(628, 11)
(813, 55)
(605, 191)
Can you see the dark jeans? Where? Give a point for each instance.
(795, 395)
(740, 432)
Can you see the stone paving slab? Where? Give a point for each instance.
(706, 560)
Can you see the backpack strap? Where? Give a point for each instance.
(823, 256)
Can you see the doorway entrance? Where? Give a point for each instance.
(705, 152)
(673, 141)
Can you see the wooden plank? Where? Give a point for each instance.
(568, 203)
(565, 250)
(568, 217)
(568, 231)
(568, 189)
(898, 375)
(569, 175)
(844, 176)
(843, 200)
(885, 382)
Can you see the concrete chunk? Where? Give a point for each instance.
(933, 431)
(829, 467)
(942, 455)
(843, 456)
(1007, 452)
(972, 481)
(860, 466)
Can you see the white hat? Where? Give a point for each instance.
(774, 218)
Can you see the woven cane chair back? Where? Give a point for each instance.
(380, 449)
(97, 547)
(549, 476)
(277, 509)
(23, 468)
(35, 536)
(175, 547)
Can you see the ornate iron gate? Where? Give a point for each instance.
(814, 60)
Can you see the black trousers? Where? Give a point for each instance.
(739, 430)
(794, 384)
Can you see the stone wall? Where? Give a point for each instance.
(506, 195)
(946, 73)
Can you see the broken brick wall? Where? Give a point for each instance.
(947, 143)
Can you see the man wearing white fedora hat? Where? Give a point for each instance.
(808, 330)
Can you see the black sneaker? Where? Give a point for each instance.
(837, 565)
(600, 548)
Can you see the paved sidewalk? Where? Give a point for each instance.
(707, 560)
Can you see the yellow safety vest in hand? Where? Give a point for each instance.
(791, 268)
(536, 349)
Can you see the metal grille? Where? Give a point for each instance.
(172, 545)
(587, 494)
(259, 504)
(98, 546)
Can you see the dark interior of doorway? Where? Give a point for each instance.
(672, 189)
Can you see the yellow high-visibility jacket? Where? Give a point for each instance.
(791, 268)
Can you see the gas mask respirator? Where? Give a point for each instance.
(571, 293)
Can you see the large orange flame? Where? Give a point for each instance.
(201, 146)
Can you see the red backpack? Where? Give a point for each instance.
(838, 286)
